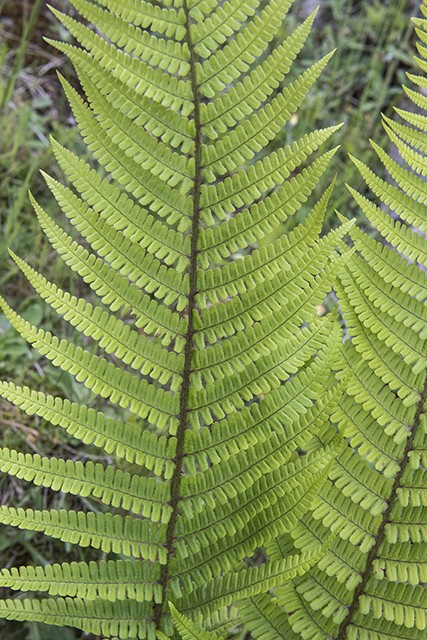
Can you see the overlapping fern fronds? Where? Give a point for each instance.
(210, 340)
(371, 583)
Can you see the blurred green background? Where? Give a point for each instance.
(374, 49)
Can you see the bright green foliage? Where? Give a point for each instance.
(370, 585)
(202, 321)
(188, 630)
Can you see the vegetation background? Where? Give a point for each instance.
(374, 49)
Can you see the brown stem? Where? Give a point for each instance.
(189, 337)
(374, 552)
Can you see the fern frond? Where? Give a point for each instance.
(266, 619)
(171, 127)
(143, 447)
(126, 619)
(211, 31)
(154, 157)
(146, 15)
(233, 150)
(109, 580)
(121, 212)
(113, 487)
(113, 288)
(165, 89)
(146, 272)
(128, 536)
(370, 585)
(225, 590)
(231, 63)
(99, 375)
(255, 223)
(221, 365)
(111, 333)
(167, 54)
(246, 186)
(188, 629)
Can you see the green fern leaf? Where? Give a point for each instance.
(188, 630)
(370, 585)
(266, 619)
(221, 366)
(112, 580)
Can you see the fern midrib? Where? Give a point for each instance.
(374, 552)
(159, 610)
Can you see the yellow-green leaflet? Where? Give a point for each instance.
(371, 584)
(217, 387)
